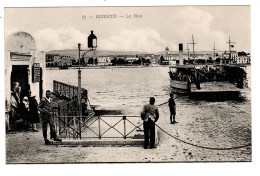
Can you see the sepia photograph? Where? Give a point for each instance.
(127, 84)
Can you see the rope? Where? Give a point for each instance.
(204, 147)
(210, 148)
(162, 103)
(167, 101)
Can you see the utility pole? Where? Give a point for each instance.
(193, 48)
(79, 82)
(229, 44)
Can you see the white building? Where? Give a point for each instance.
(225, 59)
(104, 60)
(236, 58)
(24, 64)
(243, 59)
(131, 59)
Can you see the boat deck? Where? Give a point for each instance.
(216, 87)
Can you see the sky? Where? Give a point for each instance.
(155, 29)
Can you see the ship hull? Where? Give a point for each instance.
(206, 88)
(179, 85)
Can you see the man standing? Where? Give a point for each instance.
(14, 111)
(34, 116)
(172, 107)
(149, 115)
(45, 107)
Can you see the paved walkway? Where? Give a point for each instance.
(218, 125)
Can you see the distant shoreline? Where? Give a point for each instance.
(107, 67)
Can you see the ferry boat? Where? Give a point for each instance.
(207, 79)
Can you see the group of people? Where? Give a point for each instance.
(27, 110)
(23, 110)
(150, 115)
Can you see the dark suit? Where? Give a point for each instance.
(33, 110)
(149, 115)
(172, 107)
(45, 107)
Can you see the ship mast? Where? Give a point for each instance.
(214, 54)
(193, 47)
(229, 44)
(188, 52)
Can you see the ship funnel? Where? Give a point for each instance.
(181, 54)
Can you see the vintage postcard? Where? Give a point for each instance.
(150, 84)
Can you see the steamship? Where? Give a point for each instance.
(206, 79)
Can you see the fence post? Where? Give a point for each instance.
(59, 121)
(124, 118)
(53, 119)
(65, 90)
(80, 120)
(74, 124)
(99, 128)
(69, 93)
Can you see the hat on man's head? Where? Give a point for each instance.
(25, 98)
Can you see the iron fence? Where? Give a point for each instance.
(107, 126)
(67, 91)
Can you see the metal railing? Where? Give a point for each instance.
(107, 126)
(70, 125)
(67, 91)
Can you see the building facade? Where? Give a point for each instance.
(24, 65)
(235, 58)
(65, 61)
(50, 60)
(104, 60)
(55, 60)
(243, 58)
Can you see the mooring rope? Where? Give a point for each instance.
(167, 101)
(195, 145)
(204, 147)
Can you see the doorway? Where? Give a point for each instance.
(20, 74)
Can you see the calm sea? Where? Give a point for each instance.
(126, 89)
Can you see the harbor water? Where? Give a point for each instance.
(126, 89)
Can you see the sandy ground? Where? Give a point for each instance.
(217, 125)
